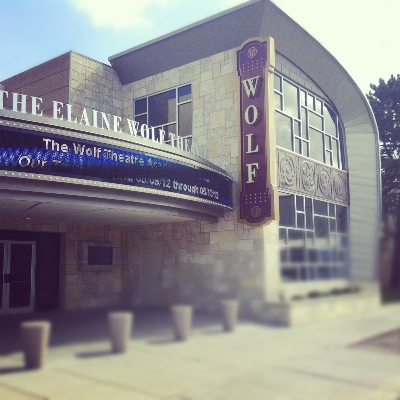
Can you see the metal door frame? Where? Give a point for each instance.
(6, 270)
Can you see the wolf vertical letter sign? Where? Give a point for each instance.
(254, 198)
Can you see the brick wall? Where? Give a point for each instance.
(94, 85)
(49, 80)
(224, 258)
(79, 288)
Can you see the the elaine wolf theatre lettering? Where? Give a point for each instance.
(99, 119)
(31, 152)
(255, 199)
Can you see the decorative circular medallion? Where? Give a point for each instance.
(324, 183)
(307, 176)
(255, 211)
(339, 185)
(252, 52)
(287, 171)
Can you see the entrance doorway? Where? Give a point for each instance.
(17, 276)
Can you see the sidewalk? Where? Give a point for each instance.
(313, 362)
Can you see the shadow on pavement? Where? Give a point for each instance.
(85, 327)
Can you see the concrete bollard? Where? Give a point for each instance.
(120, 328)
(35, 337)
(229, 314)
(181, 321)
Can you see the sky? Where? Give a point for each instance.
(361, 34)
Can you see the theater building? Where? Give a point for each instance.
(232, 158)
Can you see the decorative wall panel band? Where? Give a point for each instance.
(304, 176)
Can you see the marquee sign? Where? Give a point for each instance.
(254, 198)
(46, 154)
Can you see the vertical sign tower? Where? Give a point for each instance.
(255, 196)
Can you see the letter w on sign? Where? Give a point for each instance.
(250, 86)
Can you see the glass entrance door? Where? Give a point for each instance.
(17, 273)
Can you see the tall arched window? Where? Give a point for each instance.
(313, 231)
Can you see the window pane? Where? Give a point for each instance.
(330, 121)
(324, 272)
(278, 101)
(303, 273)
(342, 256)
(306, 151)
(140, 106)
(321, 232)
(282, 237)
(297, 254)
(315, 120)
(325, 255)
(300, 203)
(332, 225)
(296, 238)
(142, 119)
(320, 207)
(277, 83)
(300, 220)
(335, 154)
(297, 128)
(310, 101)
(328, 145)
(185, 119)
(313, 255)
(289, 274)
(312, 273)
(310, 239)
(162, 108)
(342, 160)
(287, 211)
(184, 93)
(316, 144)
(309, 217)
(290, 99)
(328, 157)
(318, 106)
(283, 126)
(100, 255)
(302, 98)
(170, 128)
(298, 145)
(341, 215)
(303, 117)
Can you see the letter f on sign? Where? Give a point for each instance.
(251, 172)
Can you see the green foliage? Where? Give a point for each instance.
(385, 102)
(384, 99)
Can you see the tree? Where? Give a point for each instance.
(385, 102)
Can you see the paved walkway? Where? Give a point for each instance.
(313, 362)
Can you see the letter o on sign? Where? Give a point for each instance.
(251, 115)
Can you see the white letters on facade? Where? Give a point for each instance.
(115, 122)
